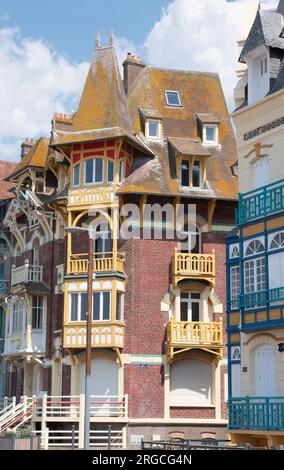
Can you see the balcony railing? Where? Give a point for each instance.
(257, 413)
(103, 262)
(260, 298)
(104, 335)
(261, 202)
(90, 196)
(3, 287)
(183, 335)
(193, 265)
(26, 273)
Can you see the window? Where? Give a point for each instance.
(110, 171)
(101, 306)
(37, 312)
(255, 275)
(234, 251)
(194, 179)
(76, 175)
(254, 247)
(93, 170)
(36, 252)
(196, 174)
(79, 306)
(18, 323)
(210, 134)
(277, 241)
(263, 66)
(121, 170)
(189, 307)
(235, 286)
(103, 241)
(119, 306)
(153, 129)
(173, 98)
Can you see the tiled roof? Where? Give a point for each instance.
(186, 146)
(199, 93)
(208, 118)
(5, 169)
(103, 104)
(36, 157)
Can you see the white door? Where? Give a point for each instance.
(265, 372)
(104, 385)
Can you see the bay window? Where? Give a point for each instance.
(93, 171)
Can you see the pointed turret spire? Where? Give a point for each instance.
(111, 38)
(98, 40)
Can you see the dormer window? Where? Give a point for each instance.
(210, 134)
(173, 98)
(191, 173)
(153, 129)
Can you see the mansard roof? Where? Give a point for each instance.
(266, 30)
(36, 157)
(199, 93)
(5, 169)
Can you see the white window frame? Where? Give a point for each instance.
(234, 251)
(271, 238)
(101, 319)
(151, 137)
(77, 165)
(210, 126)
(18, 318)
(256, 280)
(234, 286)
(121, 169)
(189, 301)
(93, 182)
(41, 310)
(78, 309)
(255, 251)
(121, 294)
(107, 164)
(178, 95)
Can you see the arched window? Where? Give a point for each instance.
(254, 247)
(190, 383)
(277, 241)
(191, 239)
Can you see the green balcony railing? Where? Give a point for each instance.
(263, 297)
(256, 413)
(261, 202)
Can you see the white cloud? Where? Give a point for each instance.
(199, 36)
(35, 82)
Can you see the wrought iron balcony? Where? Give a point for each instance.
(261, 202)
(193, 335)
(103, 262)
(26, 273)
(193, 266)
(257, 413)
(104, 335)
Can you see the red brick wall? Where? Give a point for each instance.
(197, 413)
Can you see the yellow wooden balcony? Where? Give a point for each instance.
(101, 196)
(104, 335)
(103, 262)
(184, 336)
(193, 266)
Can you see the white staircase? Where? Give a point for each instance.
(14, 415)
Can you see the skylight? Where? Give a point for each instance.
(173, 98)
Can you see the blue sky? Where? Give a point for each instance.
(70, 26)
(46, 48)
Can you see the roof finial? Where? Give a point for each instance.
(111, 38)
(98, 40)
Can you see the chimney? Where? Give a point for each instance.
(26, 146)
(132, 66)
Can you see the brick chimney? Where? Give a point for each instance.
(26, 146)
(132, 66)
